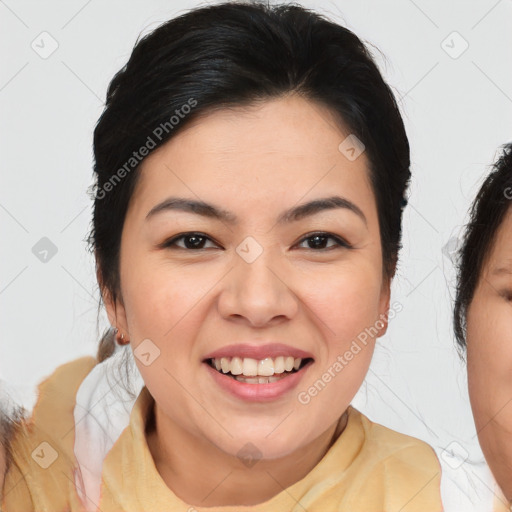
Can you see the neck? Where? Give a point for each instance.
(180, 459)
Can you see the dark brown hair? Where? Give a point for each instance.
(486, 215)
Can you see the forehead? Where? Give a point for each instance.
(303, 120)
(289, 127)
(285, 148)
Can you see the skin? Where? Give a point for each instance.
(489, 356)
(3, 467)
(256, 163)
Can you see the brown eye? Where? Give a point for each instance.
(317, 242)
(506, 294)
(191, 241)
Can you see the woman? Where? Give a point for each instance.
(483, 315)
(251, 169)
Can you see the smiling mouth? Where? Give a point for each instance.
(252, 371)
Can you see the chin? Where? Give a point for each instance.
(259, 446)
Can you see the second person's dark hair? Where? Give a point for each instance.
(486, 215)
(232, 55)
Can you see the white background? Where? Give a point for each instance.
(457, 113)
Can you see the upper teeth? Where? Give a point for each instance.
(252, 367)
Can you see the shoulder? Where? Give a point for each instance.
(405, 468)
(53, 411)
(72, 371)
(41, 473)
(385, 442)
(59, 389)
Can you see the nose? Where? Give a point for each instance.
(258, 293)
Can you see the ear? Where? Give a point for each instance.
(385, 297)
(115, 309)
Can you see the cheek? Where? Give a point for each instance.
(347, 302)
(346, 313)
(165, 306)
(169, 304)
(159, 295)
(489, 340)
(345, 307)
(489, 355)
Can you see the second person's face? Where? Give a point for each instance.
(489, 352)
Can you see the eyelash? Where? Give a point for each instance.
(340, 242)
(507, 295)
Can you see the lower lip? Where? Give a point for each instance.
(258, 392)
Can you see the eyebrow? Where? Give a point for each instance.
(292, 215)
(505, 269)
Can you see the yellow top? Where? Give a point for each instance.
(369, 468)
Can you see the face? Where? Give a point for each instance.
(489, 352)
(255, 287)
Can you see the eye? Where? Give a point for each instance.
(318, 240)
(192, 241)
(196, 241)
(507, 295)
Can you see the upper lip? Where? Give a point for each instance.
(258, 351)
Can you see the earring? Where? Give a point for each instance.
(120, 339)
